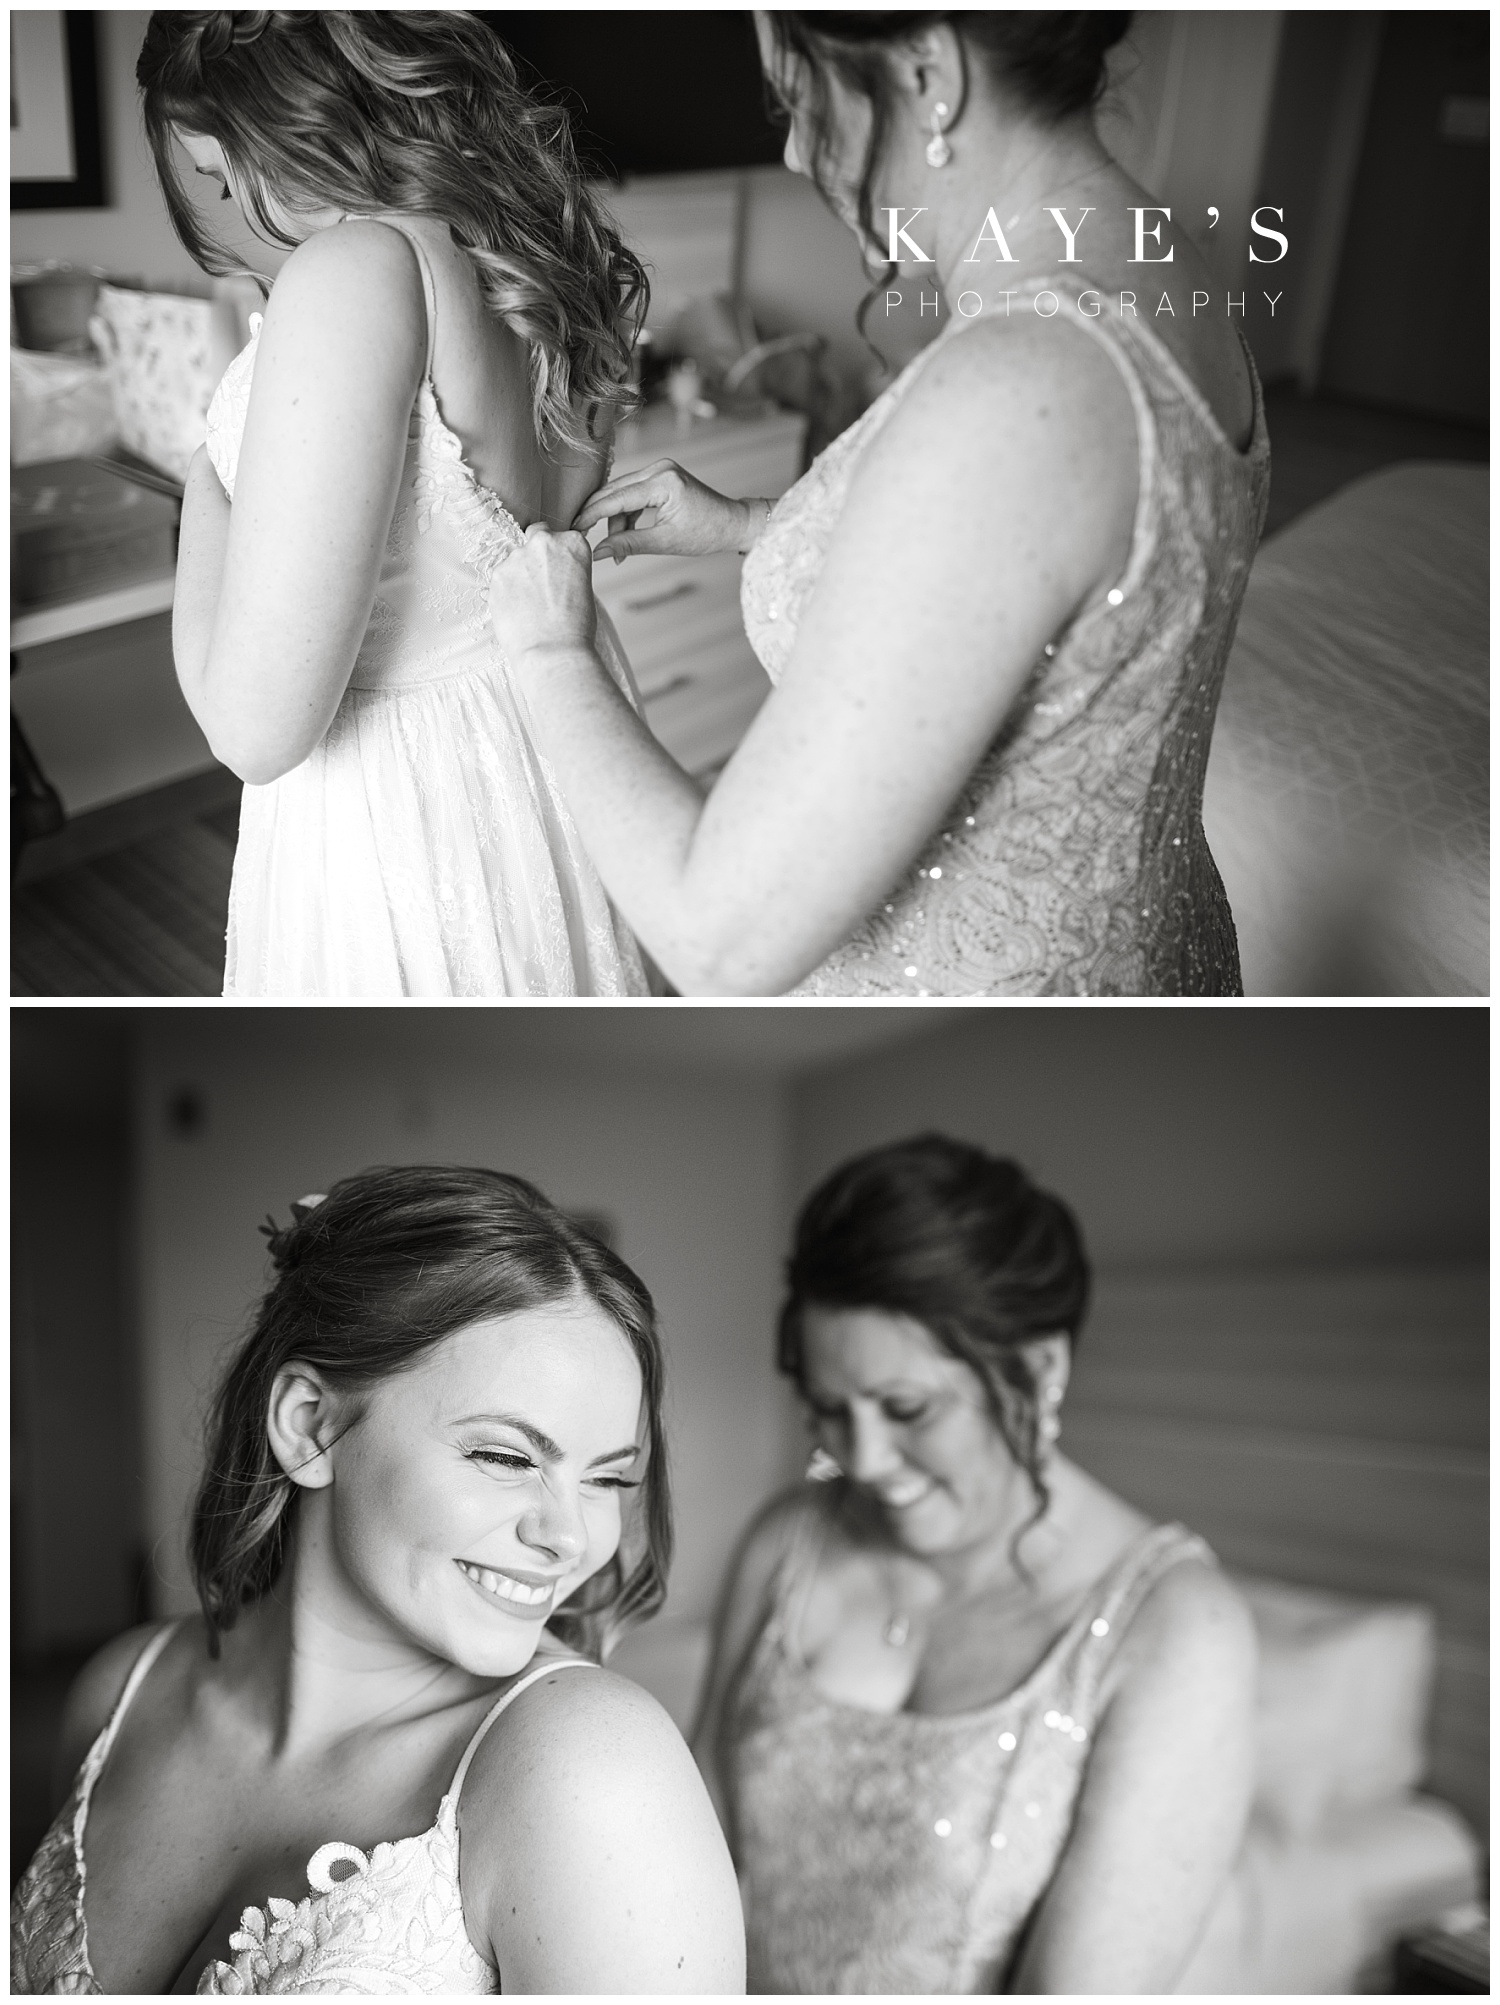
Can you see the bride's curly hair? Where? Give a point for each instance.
(420, 113)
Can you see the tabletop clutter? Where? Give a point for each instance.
(110, 383)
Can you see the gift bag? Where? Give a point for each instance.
(60, 408)
(164, 356)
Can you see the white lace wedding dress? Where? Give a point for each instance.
(422, 849)
(381, 1923)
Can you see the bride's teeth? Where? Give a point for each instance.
(507, 1589)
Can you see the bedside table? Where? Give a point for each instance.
(679, 617)
(1451, 1954)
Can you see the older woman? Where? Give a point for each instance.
(975, 1724)
(996, 610)
(373, 1762)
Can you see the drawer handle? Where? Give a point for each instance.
(668, 688)
(679, 591)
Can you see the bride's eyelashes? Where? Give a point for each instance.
(515, 1463)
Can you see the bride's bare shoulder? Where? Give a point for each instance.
(575, 1722)
(362, 273)
(585, 1790)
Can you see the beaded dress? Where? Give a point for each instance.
(383, 1923)
(905, 1852)
(423, 847)
(1074, 862)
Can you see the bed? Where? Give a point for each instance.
(1348, 787)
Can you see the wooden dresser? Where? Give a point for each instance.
(679, 617)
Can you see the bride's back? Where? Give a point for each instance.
(481, 376)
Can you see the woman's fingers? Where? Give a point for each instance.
(627, 495)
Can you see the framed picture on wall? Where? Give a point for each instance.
(56, 160)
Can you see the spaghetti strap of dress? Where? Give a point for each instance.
(1125, 1588)
(795, 1575)
(531, 1677)
(429, 285)
(98, 1754)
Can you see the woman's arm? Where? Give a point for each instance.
(274, 593)
(590, 1856)
(1165, 1797)
(995, 503)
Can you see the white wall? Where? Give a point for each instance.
(1187, 116)
(688, 1163)
(132, 237)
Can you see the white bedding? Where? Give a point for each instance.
(1348, 786)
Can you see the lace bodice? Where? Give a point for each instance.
(379, 1924)
(1074, 862)
(905, 1852)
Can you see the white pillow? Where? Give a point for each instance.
(1344, 1690)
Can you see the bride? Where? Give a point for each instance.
(441, 362)
(384, 1757)
(996, 610)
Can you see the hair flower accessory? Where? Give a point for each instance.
(279, 1237)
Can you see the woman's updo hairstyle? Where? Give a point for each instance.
(1054, 64)
(414, 114)
(963, 1243)
(369, 1279)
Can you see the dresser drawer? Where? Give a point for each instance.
(678, 618)
(738, 456)
(685, 604)
(702, 709)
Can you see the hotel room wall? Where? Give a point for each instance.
(75, 1449)
(236, 1116)
(1288, 1217)
(131, 238)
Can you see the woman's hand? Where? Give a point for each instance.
(663, 512)
(542, 596)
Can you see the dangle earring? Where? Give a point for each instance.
(1048, 1425)
(821, 1467)
(939, 152)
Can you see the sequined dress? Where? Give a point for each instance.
(423, 847)
(1074, 862)
(386, 1923)
(905, 1852)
